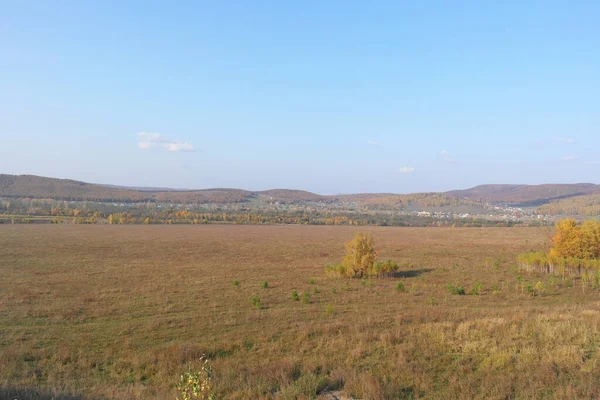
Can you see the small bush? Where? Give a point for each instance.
(306, 298)
(311, 281)
(431, 301)
(255, 301)
(333, 290)
(316, 290)
(477, 289)
(264, 284)
(295, 296)
(236, 283)
(196, 384)
(400, 287)
(456, 290)
(329, 309)
(539, 289)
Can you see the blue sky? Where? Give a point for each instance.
(328, 96)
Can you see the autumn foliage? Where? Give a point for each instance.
(360, 260)
(575, 250)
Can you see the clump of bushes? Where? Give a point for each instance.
(255, 301)
(575, 251)
(360, 260)
(456, 290)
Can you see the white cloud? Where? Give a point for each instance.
(373, 143)
(564, 140)
(569, 158)
(148, 141)
(446, 157)
(406, 170)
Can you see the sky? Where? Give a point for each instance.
(327, 96)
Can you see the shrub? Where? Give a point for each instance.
(316, 290)
(333, 290)
(539, 289)
(477, 289)
(329, 309)
(385, 268)
(400, 287)
(264, 284)
(311, 281)
(255, 301)
(236, 283)
(431, 301)
(306, 298)
(456, 290)
(295, 296)
(196, 384)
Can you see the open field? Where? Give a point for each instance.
(119, 311)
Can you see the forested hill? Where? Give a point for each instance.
(31, 186)
(525, 195)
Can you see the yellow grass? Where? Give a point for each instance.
(119, 311)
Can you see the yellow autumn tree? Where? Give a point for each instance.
(573, 240)
(590, 240)
(566, 241)
(360, 255)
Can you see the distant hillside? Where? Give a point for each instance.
(64, 189)
(20, 186)
(16, 186)
(30, 186)
(289, 196)
(585, 206)
(530, 195)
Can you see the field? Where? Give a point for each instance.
(120, 311)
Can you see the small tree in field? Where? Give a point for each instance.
(360, 255)
(360, 260)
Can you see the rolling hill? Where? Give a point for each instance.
(31, 186)
(525, 195)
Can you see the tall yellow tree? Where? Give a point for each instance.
(590, 239)
(566, 241)
(360, 255)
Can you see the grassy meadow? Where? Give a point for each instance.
(104, 312)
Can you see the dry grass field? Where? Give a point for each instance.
(119, 311)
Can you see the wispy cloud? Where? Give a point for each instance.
(446, 157)
(373, 143)
(564, 140)
(148, 141)
(407, 170)
(569, 158)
